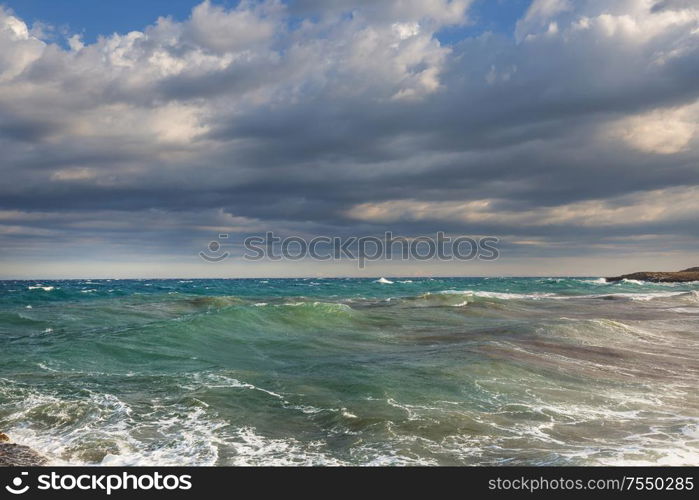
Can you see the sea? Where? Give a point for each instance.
(373, 372)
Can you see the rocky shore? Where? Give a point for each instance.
(686, 275)
(12, 454)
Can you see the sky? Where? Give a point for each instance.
(133, 133)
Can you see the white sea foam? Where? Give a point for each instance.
(347, 414)
(498, 295)
(214, 380)
(332, 306)
(642, 297)
(384, 281)
(252, 448)
(685, 310)
(40, 287)
(653, 449)
(101, 430)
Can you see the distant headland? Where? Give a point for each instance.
(691, 274)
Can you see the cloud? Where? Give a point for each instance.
(245, 27)
(633, 209)
(664, 131)
(539, 13)
(346, 116)
(435, 12)
(662, 5)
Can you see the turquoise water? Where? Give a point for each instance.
(351, 371)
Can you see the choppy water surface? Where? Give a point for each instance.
(351, 371)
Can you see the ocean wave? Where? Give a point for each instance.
(217, 380)
(102, 429)
(656, 446)
(325, 306)
(227, 316)
(500, 295)
(429, 300)
(462, 298)
(692, 295)
(639, 297)
(558, 371)
(216, 302)
(250, 448)
(20, 319)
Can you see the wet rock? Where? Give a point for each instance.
(12, 454)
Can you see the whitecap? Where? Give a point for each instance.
(347, 414)
(498, 295)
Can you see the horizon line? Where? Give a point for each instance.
(301, 277)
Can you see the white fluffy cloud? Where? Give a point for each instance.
(20, 49)
(246, 56)
(243, 28)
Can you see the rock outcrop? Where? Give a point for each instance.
(691, 274)
(18, 455)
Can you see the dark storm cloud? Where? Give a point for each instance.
(24, 129)
(320, 126)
